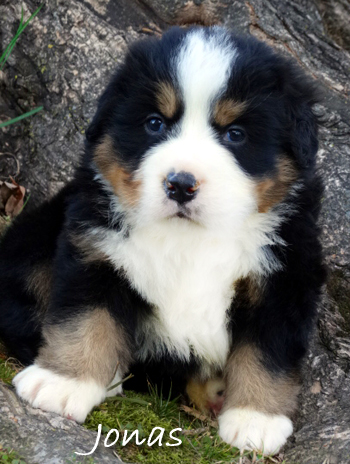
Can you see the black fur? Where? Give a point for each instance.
(278, 118)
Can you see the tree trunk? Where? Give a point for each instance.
(63, 61)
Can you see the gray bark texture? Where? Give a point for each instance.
(41, 437)
(63, 62)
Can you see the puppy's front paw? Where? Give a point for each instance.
(252, 430)
(71, 398)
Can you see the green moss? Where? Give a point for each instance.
(81, 460)
(10, 457)
(7, 372)
(200, 441)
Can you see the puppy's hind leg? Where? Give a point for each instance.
(206, 395)
(76, 364)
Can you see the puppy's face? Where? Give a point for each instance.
(205, 127)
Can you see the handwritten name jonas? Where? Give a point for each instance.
(157, 435)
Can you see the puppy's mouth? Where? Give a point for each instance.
(187, 212)
(183, 213)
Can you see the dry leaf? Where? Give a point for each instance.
(11, 197)
(5, 193)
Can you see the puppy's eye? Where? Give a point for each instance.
(155, 125)
(235, 134)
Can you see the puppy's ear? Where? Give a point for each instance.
(100, 123)
(107, 105)
(302, 93)
(304, 141)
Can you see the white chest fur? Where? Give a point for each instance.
(187, 273)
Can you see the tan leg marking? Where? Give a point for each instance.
(249, 385)
(123, 183)
(273, 190)
(89, 346)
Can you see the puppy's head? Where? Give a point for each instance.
(203, 126)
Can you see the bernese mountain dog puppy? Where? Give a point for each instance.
(185, 244)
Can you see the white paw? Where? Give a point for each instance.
(117, 390)
(252, 430)
(68, 397)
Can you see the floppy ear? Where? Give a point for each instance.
(100, 123)
(302, 93)
(106, 108)
(304, 142)
(95, 130)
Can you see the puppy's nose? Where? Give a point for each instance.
(181, 187)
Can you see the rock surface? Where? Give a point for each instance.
(45, 438)
(63, 62)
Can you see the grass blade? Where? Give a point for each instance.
(7, 53)
(4, 57)
(22, 116)
(130, 376)
(25, 203)
(21, 21)
(13, 41)
(32, 17)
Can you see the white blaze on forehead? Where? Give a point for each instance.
(203, 68)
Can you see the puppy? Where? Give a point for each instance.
(186, 243)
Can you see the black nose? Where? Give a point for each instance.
(181, 187)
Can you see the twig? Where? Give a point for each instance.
(14, 364)
(130, 376)
(190, 433)
(147, 30)
(116, 455)
(189, 441)
(198, 415)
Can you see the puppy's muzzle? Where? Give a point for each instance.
(181, 187)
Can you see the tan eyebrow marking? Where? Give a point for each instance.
(227, 111)
(167, 100)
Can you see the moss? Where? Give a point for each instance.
(200, 441)
(339, 289)
(10, 457)
(81, 460)
(7, 370)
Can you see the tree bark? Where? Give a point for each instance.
(63, 61)
(44, 438)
